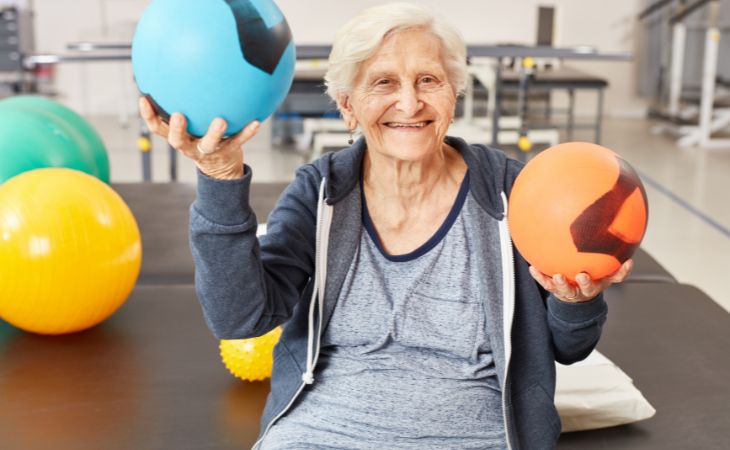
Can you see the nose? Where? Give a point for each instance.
(408, 101)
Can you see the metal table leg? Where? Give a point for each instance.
(571, 113)
(144, 144)
(497, 104)
(599, 116)
(173, 162)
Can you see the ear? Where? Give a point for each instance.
(345, 107)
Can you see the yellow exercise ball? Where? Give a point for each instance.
(70, 251)
(250, 359)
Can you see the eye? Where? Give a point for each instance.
(383, 85)
(427, 79)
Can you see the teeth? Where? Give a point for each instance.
(408, 125)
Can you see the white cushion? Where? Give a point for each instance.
(596, 393)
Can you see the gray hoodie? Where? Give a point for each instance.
(293, 274)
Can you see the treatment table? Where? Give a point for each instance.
(150, 377)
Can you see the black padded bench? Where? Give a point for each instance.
(162, 211)
(671, 339)
(563, 78)
(150, 378)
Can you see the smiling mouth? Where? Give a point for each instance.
(408, 126)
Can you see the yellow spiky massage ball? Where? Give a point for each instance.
(250, 359)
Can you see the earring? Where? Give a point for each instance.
(351, 140)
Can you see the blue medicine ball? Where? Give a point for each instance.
(214, 58)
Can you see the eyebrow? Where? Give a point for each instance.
(386, 73)
(372, 76)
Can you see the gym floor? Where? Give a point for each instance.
(688, 189)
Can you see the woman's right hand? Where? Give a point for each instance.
(215, 156)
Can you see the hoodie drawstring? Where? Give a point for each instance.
(324, 223)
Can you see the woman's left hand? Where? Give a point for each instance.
(585, 289)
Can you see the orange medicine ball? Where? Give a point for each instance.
(577, 207)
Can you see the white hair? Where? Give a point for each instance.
(359, 38)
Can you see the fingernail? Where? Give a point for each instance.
(219, 124)
(582, 278)
(559, 278)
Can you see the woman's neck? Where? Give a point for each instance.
(408, 201)
(410, 183)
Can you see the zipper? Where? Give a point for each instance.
(324, 219)
(297, 393)
(508, 291)
(278, 416)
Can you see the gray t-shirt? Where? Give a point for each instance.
(405, 362)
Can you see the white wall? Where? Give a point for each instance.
(106, 88)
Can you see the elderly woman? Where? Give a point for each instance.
(409, 319)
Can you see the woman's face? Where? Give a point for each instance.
(402, 99)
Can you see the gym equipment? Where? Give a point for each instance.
(33, 138)
(70, 251)
(162, 366)
(89, 142)
(232, 59)
(16, 41)
(250, 359)
(577, 207)
(691, 125)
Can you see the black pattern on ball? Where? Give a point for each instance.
(591, 229)
(261, 46)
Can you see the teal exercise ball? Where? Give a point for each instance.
(215, 58)
(7, 333)
(31, 139)
(89, 142)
